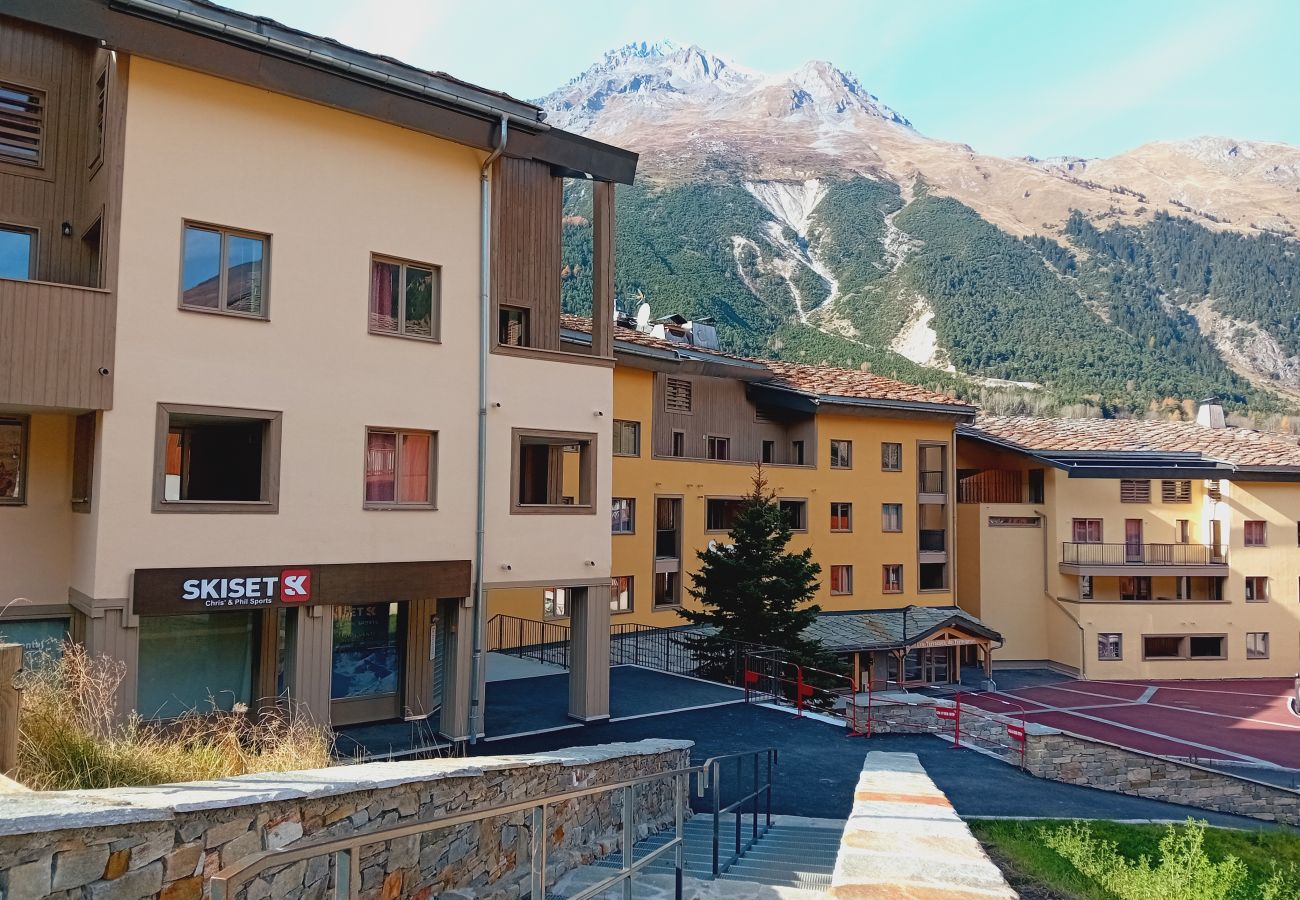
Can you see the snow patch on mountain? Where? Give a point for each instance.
(792, 204)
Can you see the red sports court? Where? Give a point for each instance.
(1248, 721)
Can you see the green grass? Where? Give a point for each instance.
(1038, 871)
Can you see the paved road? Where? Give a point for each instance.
(819, 766)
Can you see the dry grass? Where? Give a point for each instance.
(69, 737)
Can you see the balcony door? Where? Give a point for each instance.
(1133, 540)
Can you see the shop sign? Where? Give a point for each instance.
(1016, 732)
(945, 642)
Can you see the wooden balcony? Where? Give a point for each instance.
(1149, 559)
(54, 341)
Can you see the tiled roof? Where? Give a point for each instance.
(885, 627)
(1233, 446)
(826, 381)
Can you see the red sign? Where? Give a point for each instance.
(295, 585)
(1016, 732)
(946, 712)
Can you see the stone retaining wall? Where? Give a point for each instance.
(1075, 759)
(166, 842)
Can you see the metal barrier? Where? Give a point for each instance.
(345, 851)
(768, 676)
(544, 642)
(711, 778)
(999, 734)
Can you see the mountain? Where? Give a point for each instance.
(817, 223)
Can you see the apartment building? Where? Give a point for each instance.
(1133, 549)
(862, 464)
(266, 304)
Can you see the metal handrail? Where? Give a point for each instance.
(347, 867)
(1088, 553)
(710, 778)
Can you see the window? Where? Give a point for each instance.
(679, 443)
(796, 453)
(13, 460)
(627, 438)
(1087, 531)
(841, 517)
(1036, 489)
(17, 253)
(1205, 647)
(1257, 645)
(769, 452)
(1256, 533)
(1161, 647)
(546, 478)
(1085, 587)
(1015, 522)
(555, 603)
(624, 516)
(1176, 491)
(1216, 589)
(405, 298)
(1135, 590)
(841, 580)
(719, 447)
(1256, 589)
(83, 461)
(667, 589)
(796, 514)
(195, 662)
(721, 513)
(620, 596)
(22, 124)
(400, 468)
(932, 577)
(841, 454)
(668, 517)
(512, 326)
(677, 395)
(892, 579)
(891, 517)
(99, 116)
(1182, 532)
(224, 271)
(1174, 646)
(210, 459)
(1110, 646)
(891, 457)
(1134, 490)
(1183, 587)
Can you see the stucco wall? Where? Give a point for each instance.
(39, 533)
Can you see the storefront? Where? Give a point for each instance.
(367, 642)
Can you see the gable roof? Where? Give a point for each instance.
(880, 629)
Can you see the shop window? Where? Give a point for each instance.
(841, 580)
(932, 577)
(891, 457)
(41, 639)
(366, 662)
(1134, 490)
(841, 454)
(677, 395)
(547, 479)
(679, 444)
(83, 461)
(796, 514)
(405, 298)
(620, 597)
(627, 438)
(891, 517)
(1256, 533)
(400, 468)
(719, 447)
(1110, 646)
(22, 124)
(195, 663)
(841, 517)
(720, 514)
(1257, 645)
(1036, 486)
(209, 459)
(667, 589)
(769, 451)
(225, 271)
(1085, 587)
(624, 516)
(555, 603)
(1256, 589)
(13, 459)
(512, 327)
(796, 453)
(892, 579)
(1179, 491)
(1135, 590)
(17, 253)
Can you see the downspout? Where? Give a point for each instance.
(478, 669)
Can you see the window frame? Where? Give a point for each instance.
(848, 516)
(884, 457)
(559, 599)
(798, 453)
(884, 518)
(34, 254)
(636, 431)
(802, 527)
(1261, 540)
(435, 312)
(1182, 531)
(271, 444)
(885, 580)
(225, 232)
(614, 593)
(1087, 589)
(84, 430)
(1135, 490)
(672, 444)
(24, 423)
(395, 504)
(526, 323)
(846, 572)
(723, 441)
(1175, 490)
(846, 463)
(37, 166)
(767, 456)
(1117, 643)
(1138, 595)
(586, 472)
(1248, 588)
(1087, 527)
(1037, 485)
(631, 507)
(708, 519)
(98, 131)
(1256, 654)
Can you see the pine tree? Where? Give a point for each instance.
(754, 590)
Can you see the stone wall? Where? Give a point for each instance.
(1075, 759)
(166, 842)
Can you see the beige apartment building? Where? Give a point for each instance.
(258, 294)
(1133, 549)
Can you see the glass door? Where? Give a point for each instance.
(935, 665)
(366, 672)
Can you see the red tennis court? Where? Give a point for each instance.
(1241, 721)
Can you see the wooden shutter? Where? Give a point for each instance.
(1132, 490)
(1176, 491)
(677, 395)
(22, 124)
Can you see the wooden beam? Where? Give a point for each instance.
(602, 279)
(11, 663)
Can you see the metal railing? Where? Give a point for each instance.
(933, 540)
(1135, 554)
(933, 482)
(346, 851)
(711, 777)
(545, 642)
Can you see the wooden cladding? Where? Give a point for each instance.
(602, 279)
(690, 410)
(526, 220)
(54, 339)
(22, 123)
(991, 486)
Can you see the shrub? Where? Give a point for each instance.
(69, 736)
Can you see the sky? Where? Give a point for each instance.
(1009, 77)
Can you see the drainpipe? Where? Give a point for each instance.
(478, 668)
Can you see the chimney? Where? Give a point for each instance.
(1209, 414)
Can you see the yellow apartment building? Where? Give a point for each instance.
(279, 329)
(1133, 549)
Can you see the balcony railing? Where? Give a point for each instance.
(933, 540)
(56, 345)
(933, 482)
(1078, 554)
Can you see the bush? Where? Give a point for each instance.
(69, 737)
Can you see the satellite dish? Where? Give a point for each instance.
(713, 546)
(643, 317)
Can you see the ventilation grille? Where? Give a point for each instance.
(1176, 491)
(22, 115)
(677, 395)
(1133, 490)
